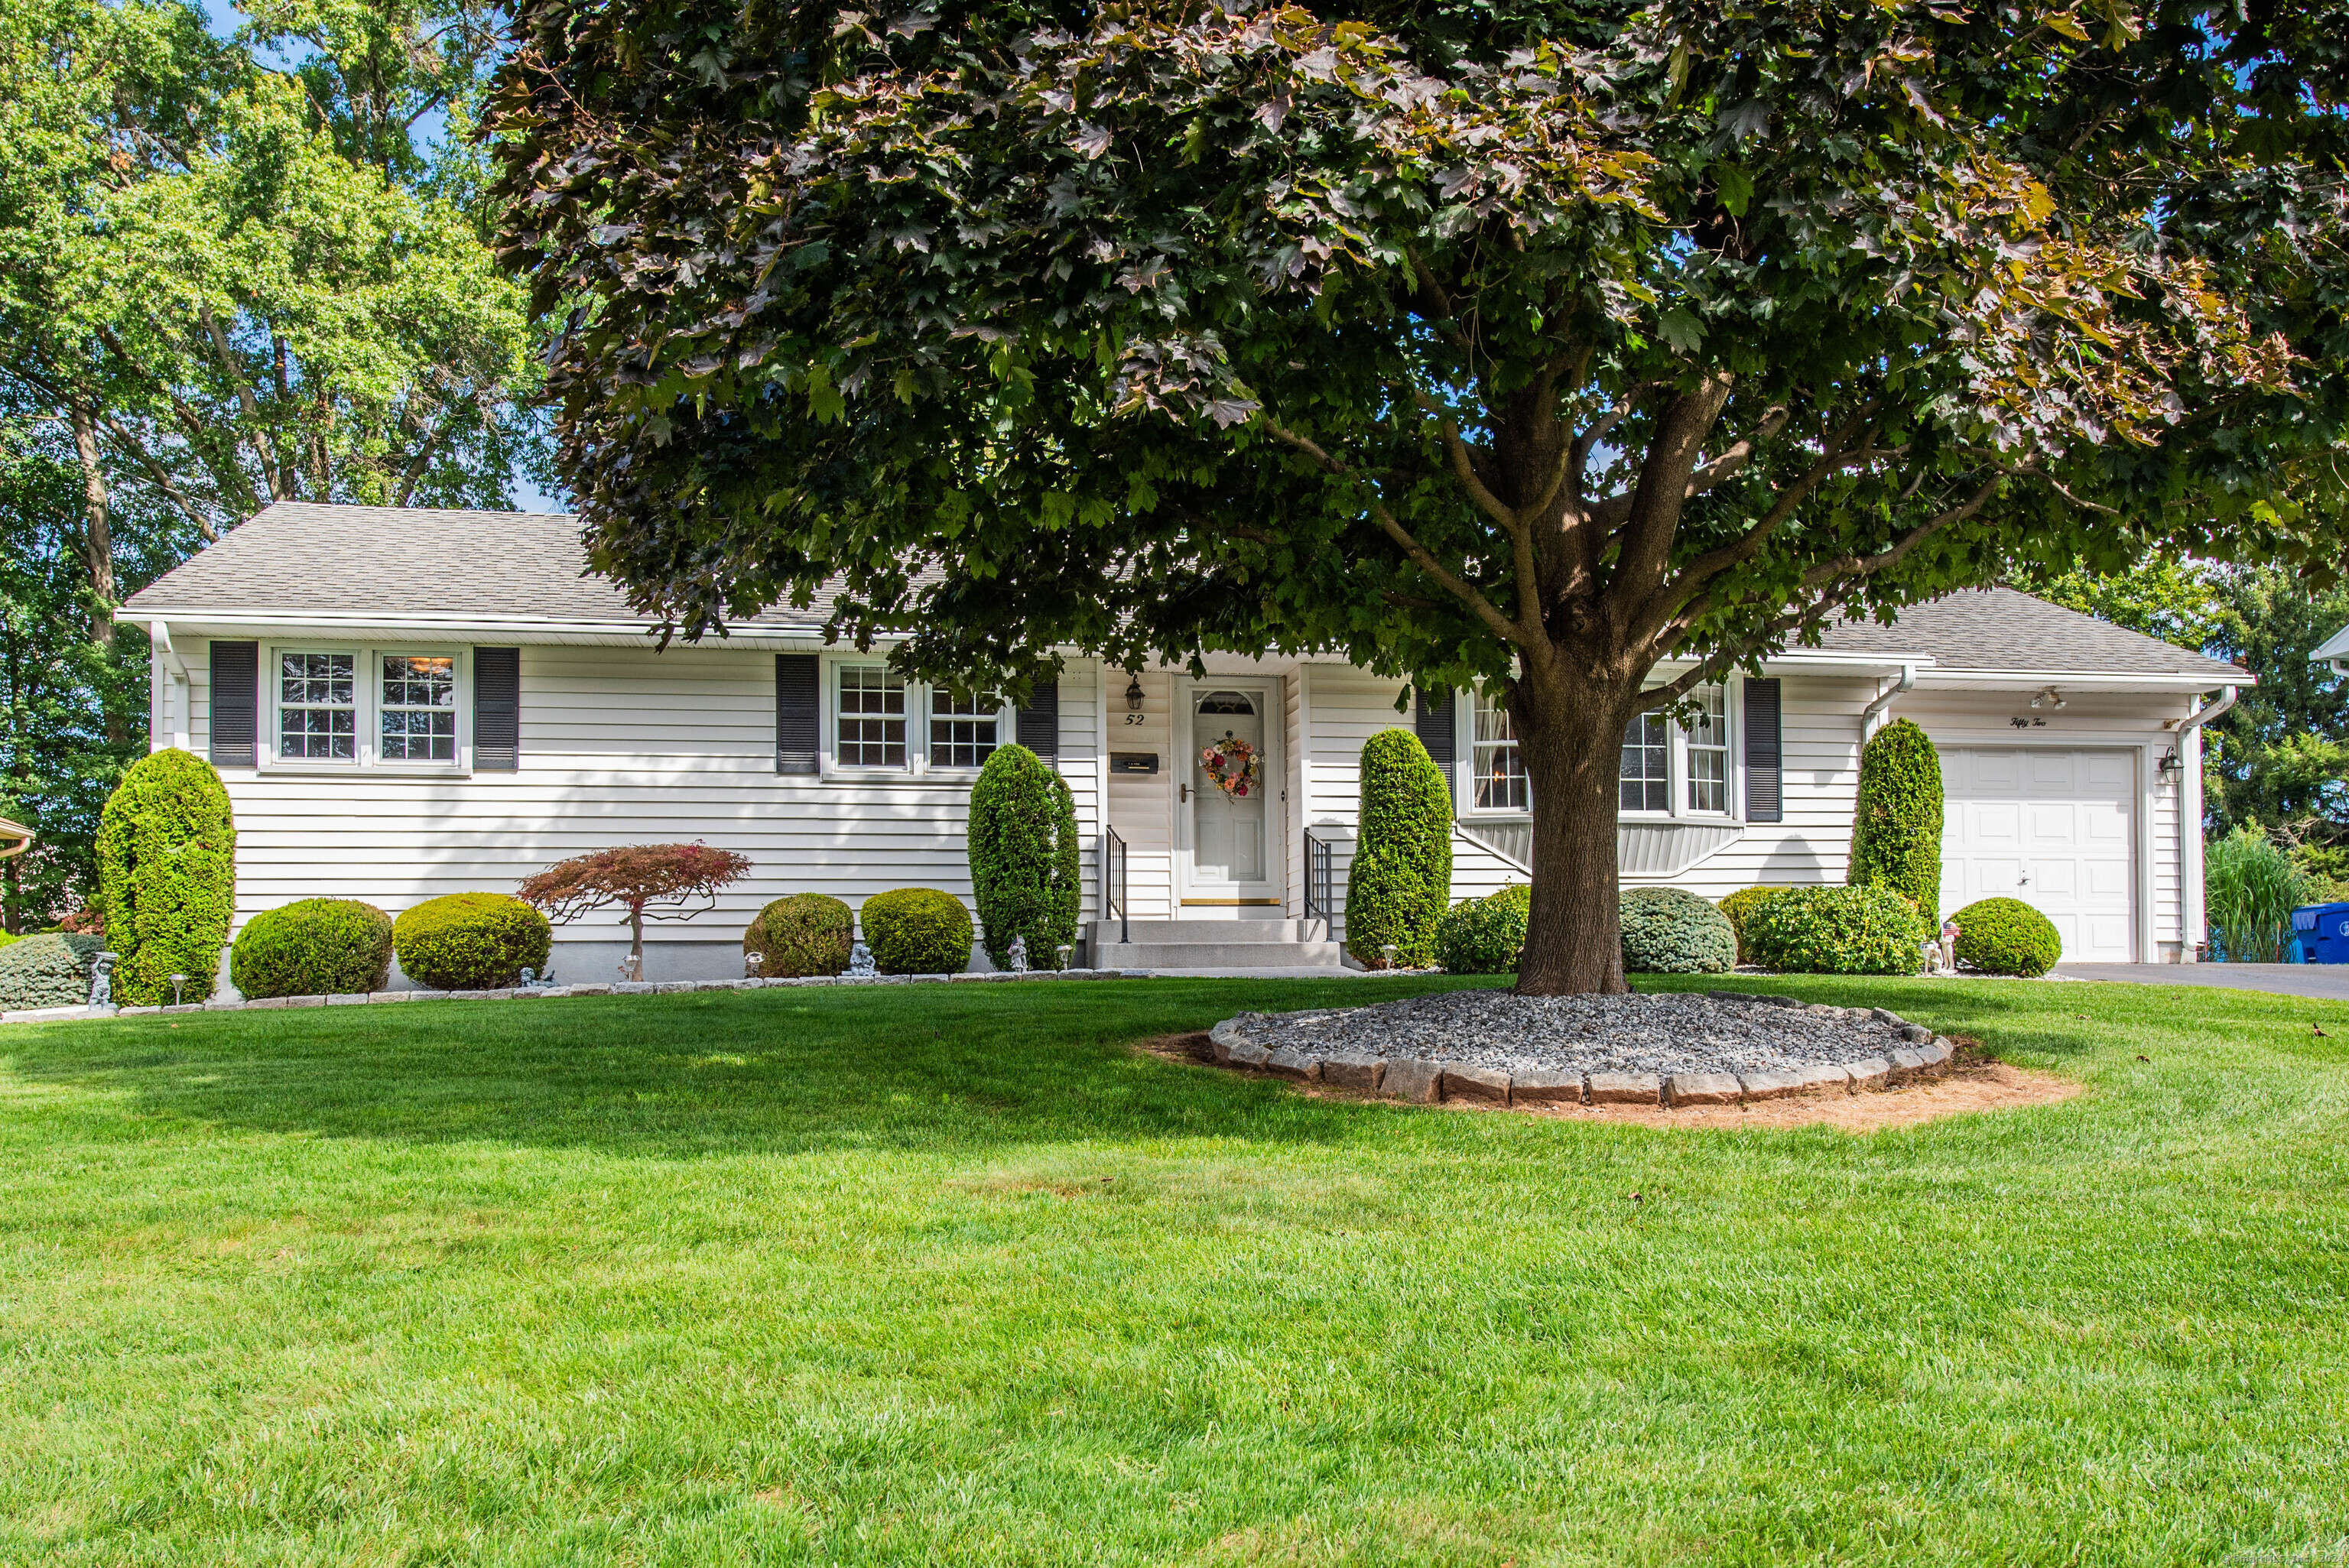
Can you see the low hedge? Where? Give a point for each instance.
(806, 934)
(2007, 936)
(1836, 931)
(316, 947)
(51, 970)
(1739, 907)
(471, 941)
(917, 931)
(1671, 931)
(1484, 935)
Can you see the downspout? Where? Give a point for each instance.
(1875, 710)
(159, 633)
(2189, 820)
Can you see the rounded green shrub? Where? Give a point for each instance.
(1836, 931)
(50, 970)
(806, 934)
(917, 931)
(316, 947)
(1895, 824)
(1739, 907)
(1401, 880)
(1025, 875)
(2007, 936)
(471, 941)
(1484, 935)
(1671, 931)
(167, 876)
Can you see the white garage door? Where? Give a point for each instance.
(2053, 828)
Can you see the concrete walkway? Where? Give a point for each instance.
(2327, 982)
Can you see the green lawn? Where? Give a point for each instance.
(900, 1275)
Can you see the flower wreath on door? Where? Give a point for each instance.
(1232, 766)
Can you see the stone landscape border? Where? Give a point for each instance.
(520, 993)
(1418, 1080)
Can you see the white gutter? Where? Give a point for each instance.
(2204, 714)
(1875, 710)
(160, 633)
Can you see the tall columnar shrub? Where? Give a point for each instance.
(167, 876)
(1896, 827)
(1025, 873)
(2250, 888)
(1400, 881)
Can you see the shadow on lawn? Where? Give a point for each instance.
(775, 1072)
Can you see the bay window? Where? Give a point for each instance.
(1664, 769)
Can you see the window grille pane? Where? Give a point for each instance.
(317, 707)
(418, 708)
(962, 730)
(1708, 750)
(871, 716)
(1500, 770)
(1646, 783)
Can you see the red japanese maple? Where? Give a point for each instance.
(635, 877)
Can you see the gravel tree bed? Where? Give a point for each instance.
(1672, 1032)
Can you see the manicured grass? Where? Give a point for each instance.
(899, 1275)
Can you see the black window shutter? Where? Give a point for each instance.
(796, 744)
(497, 710)
(1040, 722)
(236, 701)
(1437, 723)
(1764, 800)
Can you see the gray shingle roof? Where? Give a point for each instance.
(300, 558)
(2005, 629)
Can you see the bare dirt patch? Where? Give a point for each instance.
(1973, 1082)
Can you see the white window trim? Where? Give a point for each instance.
(917, 764)
(1463, 733)
(367, 661)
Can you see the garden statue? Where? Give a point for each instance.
(101, 982)
(860, 960)
(1018, 956)
(750, 962)
(532, 980)
(1064, 951)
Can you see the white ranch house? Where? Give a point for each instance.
(406, 702)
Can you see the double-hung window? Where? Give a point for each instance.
(882, 722)
(418, 710)
(1493, 761)
(962, 730)
(1708, 750)
(317, 708)
(1662, 761)
(1646, 778)
(871, 716)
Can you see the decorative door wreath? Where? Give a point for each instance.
(1231, 765)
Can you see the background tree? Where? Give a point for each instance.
(683, 880)
(1587, 351)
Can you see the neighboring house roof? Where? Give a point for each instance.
(354, 564)
(2337, 648)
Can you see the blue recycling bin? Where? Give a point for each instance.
(2322, 932)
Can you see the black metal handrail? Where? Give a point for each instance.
(1321, 880)
(1113, 856)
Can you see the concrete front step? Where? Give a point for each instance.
(1162, 956)
(1150, 932)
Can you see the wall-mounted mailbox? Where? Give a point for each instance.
(1133, 762)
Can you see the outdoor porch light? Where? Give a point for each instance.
(1133, 692)
(2170, 768)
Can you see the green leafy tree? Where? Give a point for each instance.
(2179, 602)
(1585, 351)
(2280, 757)
(1895, 823)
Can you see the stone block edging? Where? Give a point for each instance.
(517, 994)
(1419, 1081)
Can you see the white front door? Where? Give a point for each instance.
(2052, 826)
(1231, 849)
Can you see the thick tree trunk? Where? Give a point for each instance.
(1571, 742)
(98, 537)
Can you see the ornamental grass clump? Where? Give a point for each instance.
(2007, 936)
(1896, 826)
(806, 934)
(2250, 888)
(1401, 880)
(50, 970)
(1836, 931)
(681, 880)
(1025, 875)
(1671, 931)
(315, 947)
(1484, 935)
(917, 931)
(471, 941)
(167, 877)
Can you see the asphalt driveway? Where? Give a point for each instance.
(2327, 982)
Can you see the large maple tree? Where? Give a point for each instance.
(1586, 352)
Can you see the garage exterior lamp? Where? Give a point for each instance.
(1133, 692)
(2170, 768)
